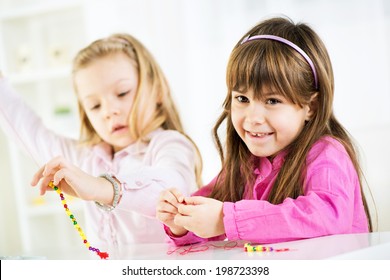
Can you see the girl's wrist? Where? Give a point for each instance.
(110, 194)
(105, 193)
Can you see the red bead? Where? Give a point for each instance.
(103, 255)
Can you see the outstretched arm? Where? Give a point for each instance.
(73, 181)
(24, 127)
(168, 161)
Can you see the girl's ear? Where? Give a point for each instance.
(312, 106)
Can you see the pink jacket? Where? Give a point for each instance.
(146, 169)
(331, 204)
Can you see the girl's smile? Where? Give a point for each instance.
(259, 134)
(269, 124)
(258, 137)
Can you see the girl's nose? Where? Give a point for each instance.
(255, 114)
(111, 109)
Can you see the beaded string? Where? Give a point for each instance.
(248, 247)
(193, 248)
(102, 255)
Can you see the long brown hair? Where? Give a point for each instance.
(153, 90)
(269, 63)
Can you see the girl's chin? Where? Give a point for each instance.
(261, 153)
(123, 145)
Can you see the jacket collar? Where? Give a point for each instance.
(266, 165)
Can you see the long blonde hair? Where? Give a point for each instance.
(269, 63)
(153, 90)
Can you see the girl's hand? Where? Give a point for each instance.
(73, 181)
(166, 210)
(201, 215)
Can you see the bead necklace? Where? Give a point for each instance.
(102, 255)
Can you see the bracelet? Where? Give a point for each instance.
(117, 192)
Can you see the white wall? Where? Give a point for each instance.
(192, 41)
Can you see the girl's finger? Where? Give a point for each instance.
(169, 197)
(44, 185)
(195, 200)
(167, 208)
(165, 217)
(53, 165)
(178, 195)
(186, 210)
(58, 176)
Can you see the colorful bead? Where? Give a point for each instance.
(102, 255)
(248, 247)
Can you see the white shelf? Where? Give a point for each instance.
(38, 8)
(40, 75)
(38, 40)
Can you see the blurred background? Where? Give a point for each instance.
(191, 39)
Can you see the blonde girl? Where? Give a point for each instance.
(131, 147)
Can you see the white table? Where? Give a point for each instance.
(347, 246)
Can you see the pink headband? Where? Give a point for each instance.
(287, 42)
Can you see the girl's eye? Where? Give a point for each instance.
(273, 101)
(242, 99)
(123, 93)
(95, 107)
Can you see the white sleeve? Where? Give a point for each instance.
(169, 163)
(22, 125)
